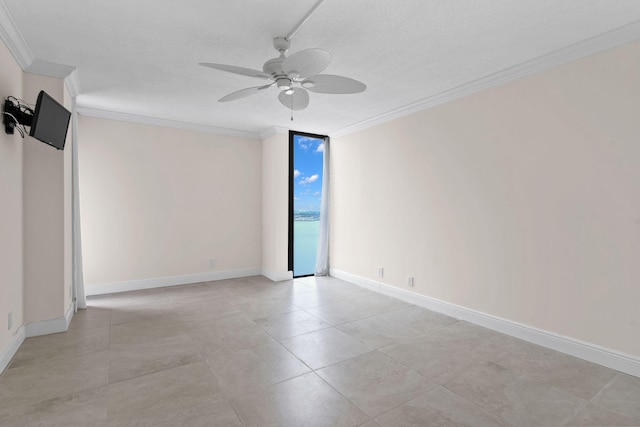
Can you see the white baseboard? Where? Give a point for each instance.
(7, 353)
(277, 276)
(587, 351)
(51, 326)
(136, 285)
(34, 329)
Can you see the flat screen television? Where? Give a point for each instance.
(50, 121)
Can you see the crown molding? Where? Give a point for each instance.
(49, 69)
(157, 121)
(273, 130)
(20, 50)
(611, 39)
(608, 40)
(73, 83)
(13, 38)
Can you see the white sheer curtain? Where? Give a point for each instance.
(322, 257)
(78, 274)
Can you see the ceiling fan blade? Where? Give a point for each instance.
(327, 83)
(236, 70)
(244, 93)
(305, 63)
(298, 100)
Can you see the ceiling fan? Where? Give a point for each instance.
(293, 75)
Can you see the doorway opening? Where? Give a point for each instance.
(305, 191)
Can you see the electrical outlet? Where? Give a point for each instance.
(10, 321)
(410, 281)
(380, 272)
(212, 263)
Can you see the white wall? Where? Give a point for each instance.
(521, 201)
(158, 202)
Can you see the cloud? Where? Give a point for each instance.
(305, 142)
(296, 198)
(309, 180)
(317, 193)
(296, 173)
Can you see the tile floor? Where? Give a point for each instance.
(308, 352)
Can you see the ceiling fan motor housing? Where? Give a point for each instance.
(273, 67)
(283, 83)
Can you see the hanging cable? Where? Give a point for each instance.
(21, 103)
(20, 113)
(17, 124)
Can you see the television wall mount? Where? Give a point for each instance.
(16, 114)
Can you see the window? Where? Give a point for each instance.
(305, 190)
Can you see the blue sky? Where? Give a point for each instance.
(307, 175)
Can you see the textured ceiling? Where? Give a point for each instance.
(141, 57)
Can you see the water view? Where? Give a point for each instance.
(306, 225)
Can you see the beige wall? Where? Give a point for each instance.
(157, 202)
(275, 206)
(44, 215)
(33, 230)
(68, 208)
(11, 223)
(521, 201)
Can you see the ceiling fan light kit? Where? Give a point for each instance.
(293, 75)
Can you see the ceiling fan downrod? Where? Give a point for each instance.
(303, 20)
(282, 45)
